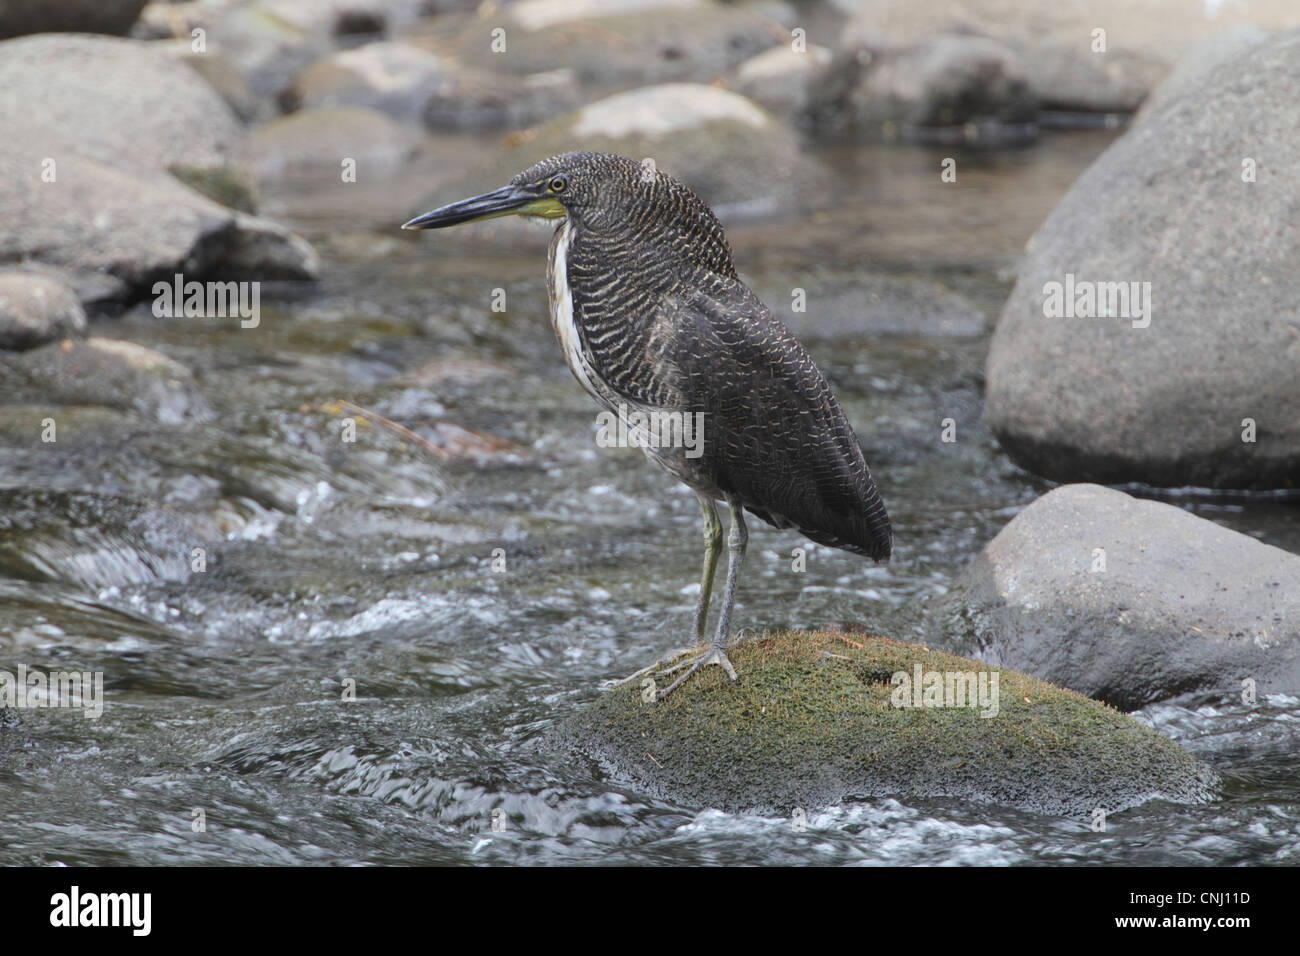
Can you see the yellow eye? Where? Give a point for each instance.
(559, 184)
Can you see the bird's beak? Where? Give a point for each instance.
(507, 201)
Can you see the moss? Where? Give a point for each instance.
(811, 721)
(220, 184)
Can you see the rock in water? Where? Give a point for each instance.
(1189, 228)
(1128, 601)
(35, 308)
(813, 720)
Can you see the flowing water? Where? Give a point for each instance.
(469, 602)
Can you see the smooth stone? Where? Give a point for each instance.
(1183, 605)
(36, 308)
(1206, 358)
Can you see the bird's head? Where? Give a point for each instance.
(596, 191)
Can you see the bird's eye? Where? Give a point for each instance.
(559, 184)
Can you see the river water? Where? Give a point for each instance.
(470, 602)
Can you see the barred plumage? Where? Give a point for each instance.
(652, 316)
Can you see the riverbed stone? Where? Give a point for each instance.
(131, 224)
(118, 101)
(109, 372)
(1195, 383)
(309, 146)
(1065, 67)
(36, 308)
(972, 85)
(616, 42)
(777, 79)
(392, 78)
(1129, 601)
(734, 154)
(812, 721)
(1196, 63)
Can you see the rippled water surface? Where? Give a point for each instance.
(371, 565)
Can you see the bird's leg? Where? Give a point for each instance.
(737, 538)
(712, 548)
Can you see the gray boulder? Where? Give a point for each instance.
(913, 92)
(131, 224)
(1055, 41)
(1194, 381)
(1128, 601)
(308, 147)
(392, 78)
(778, 79)
(36, 308)
(122, 102)
(413, 85)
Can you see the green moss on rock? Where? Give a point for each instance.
(812, 721)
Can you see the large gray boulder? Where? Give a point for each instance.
(124, 164)
(122, 102)
(131, 224)
(1193, 216)
(1129, 601)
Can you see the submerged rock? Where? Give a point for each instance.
(90, 540)
(812, 721)
(1128, 601)
(1152, 336)
(108, 372)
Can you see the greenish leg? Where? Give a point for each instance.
(712, 549)
(736, 541)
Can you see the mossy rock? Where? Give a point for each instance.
(811, 722)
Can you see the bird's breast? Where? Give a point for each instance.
(563, 319)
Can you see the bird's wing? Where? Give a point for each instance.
(775, 437)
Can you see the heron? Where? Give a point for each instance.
(653, 320)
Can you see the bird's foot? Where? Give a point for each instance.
(714, 655)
